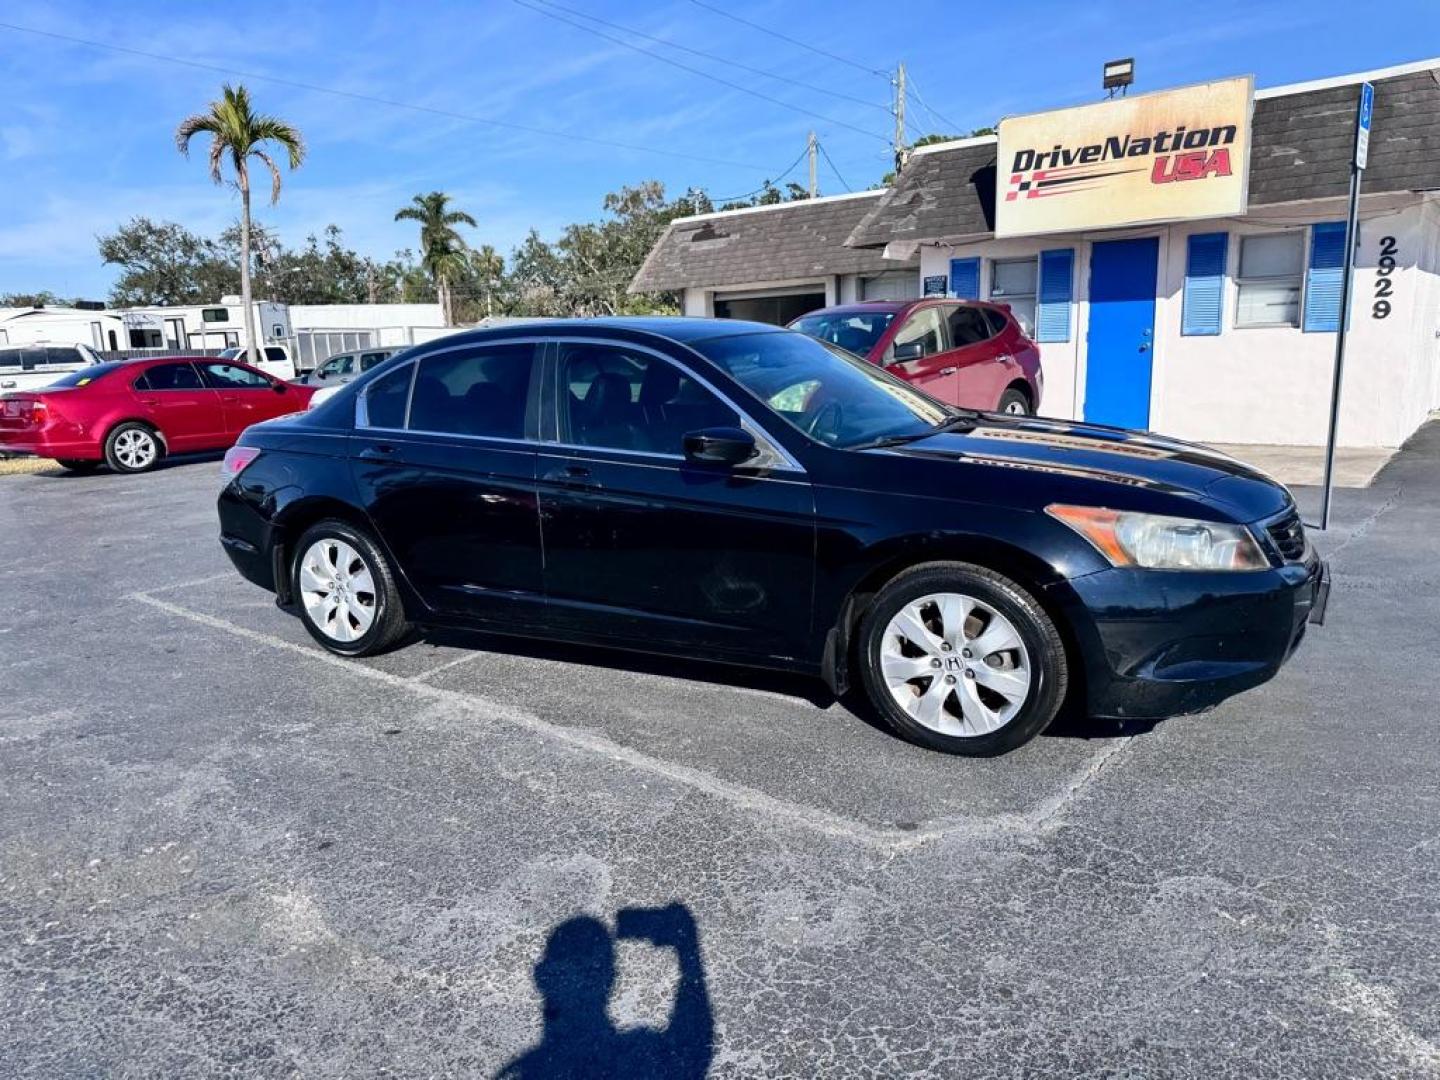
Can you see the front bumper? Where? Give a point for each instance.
(1157, 644)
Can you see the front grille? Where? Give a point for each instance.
(1288, 535)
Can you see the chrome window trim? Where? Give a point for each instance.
(746, 420)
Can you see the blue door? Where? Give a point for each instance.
(1119, 347)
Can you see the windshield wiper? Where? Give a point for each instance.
(965, 418)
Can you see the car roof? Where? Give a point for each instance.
(679, 328)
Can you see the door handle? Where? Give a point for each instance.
(149, 401)
(229, 399)
(576, 476)
(378, 452)
(948, 370)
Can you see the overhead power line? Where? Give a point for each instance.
(717, 59)
(768, 183)
(953, 127)
(374, 100)
(826, 155)
(694, 70)
(793, 41)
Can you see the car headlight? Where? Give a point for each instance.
(1156, 542)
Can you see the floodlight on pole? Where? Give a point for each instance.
(1118, 74)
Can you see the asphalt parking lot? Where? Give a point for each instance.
(224, 852)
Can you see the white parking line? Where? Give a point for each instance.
(1044, 816)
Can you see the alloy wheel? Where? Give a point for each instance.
(955, 664)
(1016, 408)
(135, 449)
(337, 588)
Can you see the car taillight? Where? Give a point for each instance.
(237, 459)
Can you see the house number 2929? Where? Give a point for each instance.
(1384, 283)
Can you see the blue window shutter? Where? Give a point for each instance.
(1052, 307)
(1322, 279)
(1203, 306)
(965, 279)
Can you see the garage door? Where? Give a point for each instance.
(891, 285)
(769, 309)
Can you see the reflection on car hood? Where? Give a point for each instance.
(1113, 455)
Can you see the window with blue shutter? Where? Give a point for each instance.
(1323, 278)
(965, 279)
(1203, 305)
(1052, 309)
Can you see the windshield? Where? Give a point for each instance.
(828, 394)
(87, 374)
(855, 331)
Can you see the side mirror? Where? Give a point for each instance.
(720, 446)
(278, 386)
(910, 350)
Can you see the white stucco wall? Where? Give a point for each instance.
(1265, 385)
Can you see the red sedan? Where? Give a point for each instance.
(964, 352)
(130, 414)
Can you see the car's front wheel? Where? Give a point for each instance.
(962, 659)
(133, 447)
(345, 591)
(1013, 403)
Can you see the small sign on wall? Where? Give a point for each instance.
(935, 285)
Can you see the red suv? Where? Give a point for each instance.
(130, 414)
(963, 352)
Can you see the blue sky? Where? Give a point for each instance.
(86, 134)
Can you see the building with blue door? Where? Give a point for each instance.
(1218, 329)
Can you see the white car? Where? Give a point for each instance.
(276, 362)
(29, 367)
(340, 369)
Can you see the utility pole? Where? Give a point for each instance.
(810, 148)
(899, 117)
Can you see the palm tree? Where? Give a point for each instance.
(441, 246)
(238, 133)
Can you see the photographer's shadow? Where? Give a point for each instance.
(575, 976)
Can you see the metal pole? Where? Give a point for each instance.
(810, 149)
(899, 140)
(1348, 266)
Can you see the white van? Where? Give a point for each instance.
(29, 367)
(277, 360)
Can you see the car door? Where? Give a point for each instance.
(643, 546)
(247, 395)
(173, 397)
(333, 372)
(931, 369)
(443, 458)
(975, 354)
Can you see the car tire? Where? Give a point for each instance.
(939, 691)
(1014, 403)
(133, 447)
(77, 466)
(345, 591)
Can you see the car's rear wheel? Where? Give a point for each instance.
(962, 659)
(1014, 403)
(76, 465)
(345, 591)
(132, 447)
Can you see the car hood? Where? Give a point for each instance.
(1126, 458)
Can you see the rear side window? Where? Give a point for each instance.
(996, 320)
(370, 359)
(9, 358)
(968, 326)
(169, 377)
(474, 392)
(386, 397)
(54, 355)
(232, 377)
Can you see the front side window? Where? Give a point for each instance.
(169, 377)
(1268, 287)
(232, 377)
(338, 365)
(474, 392)
(925, 327)
(856, 332)
(1012, 281)
(828, 394)
(275, 354)
(9, 358)
(62, 355)
(620, 399)
(967, 326)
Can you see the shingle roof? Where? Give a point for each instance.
(804, 239)
(1300, 150)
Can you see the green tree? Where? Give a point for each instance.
(43, 298)
(238, 133)
(442, 249)
(165, 263)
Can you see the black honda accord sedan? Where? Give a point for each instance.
(740, 493)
